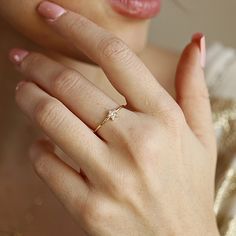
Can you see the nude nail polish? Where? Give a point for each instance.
(50, 11)
(200, 39)
(18, 86)
(17, 55)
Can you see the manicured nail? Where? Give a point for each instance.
(17, 55)
(20, 84)
(201, 41)
(50, 11)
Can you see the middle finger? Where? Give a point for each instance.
(122, 66)
(64, 128)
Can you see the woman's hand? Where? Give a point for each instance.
(149, 172)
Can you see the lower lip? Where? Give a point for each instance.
(141, 9)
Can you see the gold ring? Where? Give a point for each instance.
(111, 115)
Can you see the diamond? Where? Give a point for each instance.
(112, 114)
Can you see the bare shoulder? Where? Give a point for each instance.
(162, 62)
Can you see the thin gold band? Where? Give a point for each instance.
(111, 115)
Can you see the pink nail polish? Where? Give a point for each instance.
(20, 84)
(50, 11)
(17, 55)
(200, 39)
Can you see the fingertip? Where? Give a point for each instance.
(190, 77)
(196, 36)
(39, 147)
(200, 40)
(50, 11)
(193, 57)
(17, 55)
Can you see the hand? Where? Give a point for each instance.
(149, 172)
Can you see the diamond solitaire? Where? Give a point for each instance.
(112, 114)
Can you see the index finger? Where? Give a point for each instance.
(123, 68)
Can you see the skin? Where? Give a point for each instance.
(98, 194)
(97, 11)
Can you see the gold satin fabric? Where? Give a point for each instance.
(224, 118)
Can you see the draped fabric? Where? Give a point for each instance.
(221, 80)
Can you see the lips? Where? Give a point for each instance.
(142, 9)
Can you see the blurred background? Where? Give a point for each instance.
(179, 19)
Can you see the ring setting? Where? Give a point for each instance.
(111, 115)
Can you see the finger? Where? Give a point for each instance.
(192, 93)
(63, 127)
(80, 95)
(123, 68)
(68, 186)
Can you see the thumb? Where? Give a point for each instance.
(192, 93)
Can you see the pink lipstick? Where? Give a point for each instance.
(141, 9)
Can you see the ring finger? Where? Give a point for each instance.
(64, 128)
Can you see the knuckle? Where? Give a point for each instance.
(65, 82)
(94, 213)
(143, 141)
(173, 118)
(77, 24)
(113, 48)
(146, 145)
(47, 113)
(123, 184)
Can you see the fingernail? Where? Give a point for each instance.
(50, 11)
(200, 39)
(17, 55)
(18, 86)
